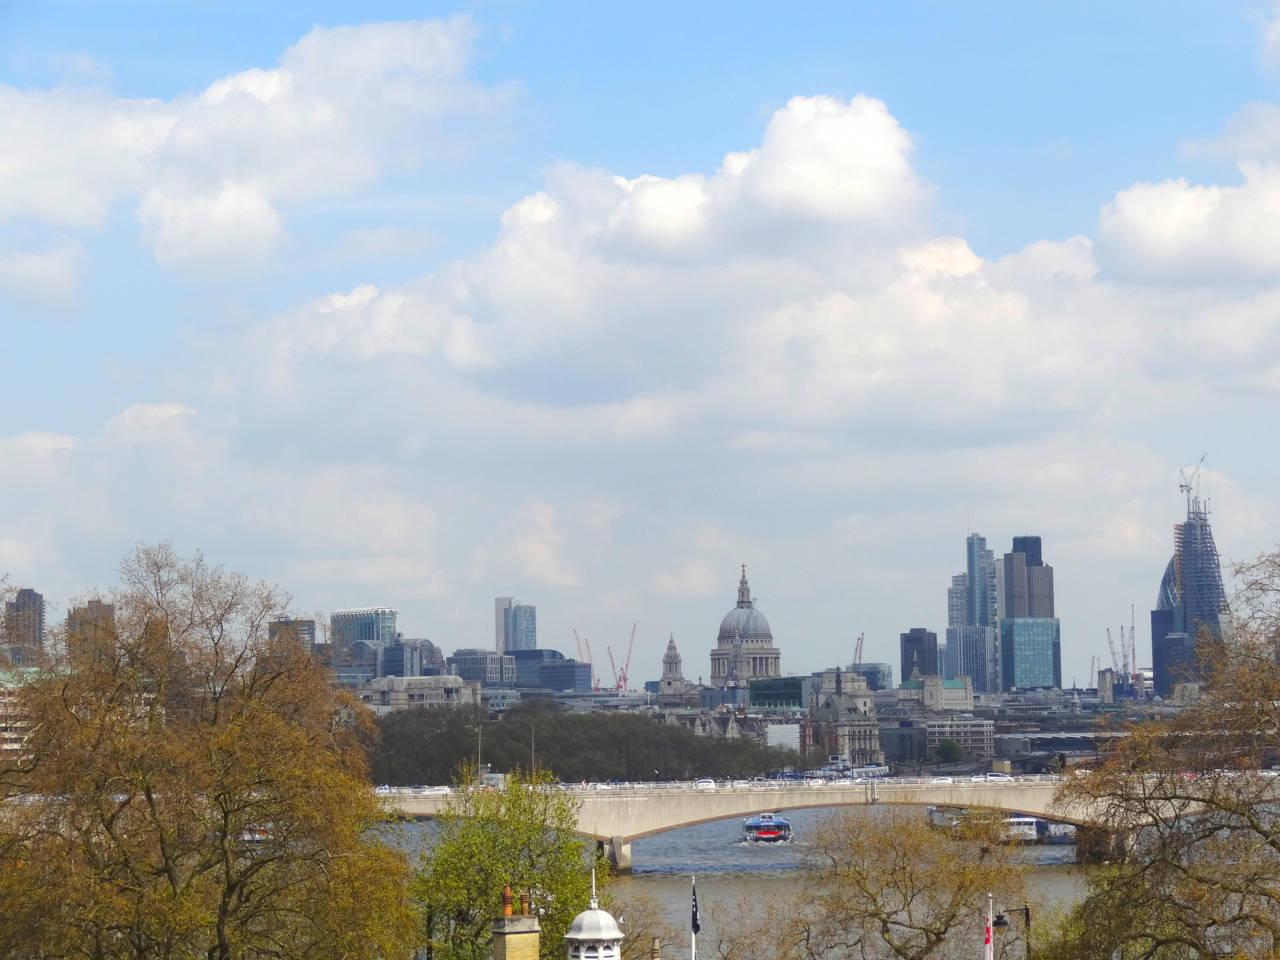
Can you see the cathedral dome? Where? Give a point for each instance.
(745, 620)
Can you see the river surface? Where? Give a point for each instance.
(729, 870)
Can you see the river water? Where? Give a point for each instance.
(729, 870)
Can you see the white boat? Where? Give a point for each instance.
(1020, 829)
(766, 828)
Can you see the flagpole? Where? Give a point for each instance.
(989, 948)
(693, 929)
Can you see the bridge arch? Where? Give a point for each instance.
(617, 817)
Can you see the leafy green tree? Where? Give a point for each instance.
(949, 751)
(518, 836)
(426, 746)
(190, 787)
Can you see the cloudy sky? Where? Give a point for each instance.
(417, 305)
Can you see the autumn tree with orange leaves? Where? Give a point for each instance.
(190, 787)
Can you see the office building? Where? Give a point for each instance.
(1030, 648)
(485, 667)
(302, 632)
(523, 632)
(1191, 599)
(501, 619)
(515, 625)
(91, 628)
(919, 653)
(879, 676)
(409, 658)
(354, 633)
(973, 637)
(24, 619)
(1030, 633)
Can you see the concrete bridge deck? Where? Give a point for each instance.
(618, 814)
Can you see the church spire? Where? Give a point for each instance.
(744, 591)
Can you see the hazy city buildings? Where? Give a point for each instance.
(744, 648)
(24, 628)
(919, 653)
(1191, 598)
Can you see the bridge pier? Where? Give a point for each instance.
(618, 852)
(1099, 844)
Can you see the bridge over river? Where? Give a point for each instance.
(617, 814)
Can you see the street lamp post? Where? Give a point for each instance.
(1001, 923)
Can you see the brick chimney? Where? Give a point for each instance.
(516, 936)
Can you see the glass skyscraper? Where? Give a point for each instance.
(1030, 633)
(973, 640)
(1191, 598)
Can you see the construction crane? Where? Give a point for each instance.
(857, 653)
(595, 677)
(626, 667)
(1189, 484)
(1125, 676)
(1115, 660)
(1093, 672)
(620, 676)
(1133, 656)
(578, 641)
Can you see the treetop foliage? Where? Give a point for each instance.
(427, 746)
(189, 786)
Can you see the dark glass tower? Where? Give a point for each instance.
(1191, 598)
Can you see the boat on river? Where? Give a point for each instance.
(766, 828)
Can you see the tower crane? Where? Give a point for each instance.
(1115, 661)
(595, 677)
(1133, 656)
(1189, 484)
(617, 681)
(578, 641)
(857, 653)
(1124, 657)
(626, 667)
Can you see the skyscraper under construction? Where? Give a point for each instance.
(1191, 598)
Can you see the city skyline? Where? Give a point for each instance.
(561, 304)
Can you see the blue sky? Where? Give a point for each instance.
(421, 304)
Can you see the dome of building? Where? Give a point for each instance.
(745, 620)
(595, 926)
(594, 934)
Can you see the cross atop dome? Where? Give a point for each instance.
(744, 591)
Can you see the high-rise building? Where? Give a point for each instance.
(1030, 633)
(919, 649)
(24, 619)
(973, 638)
(1191, 598)
(303, 632)
(523, 628)
(515, 625)
(90, 627)
(501, 622)
(367, 628)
